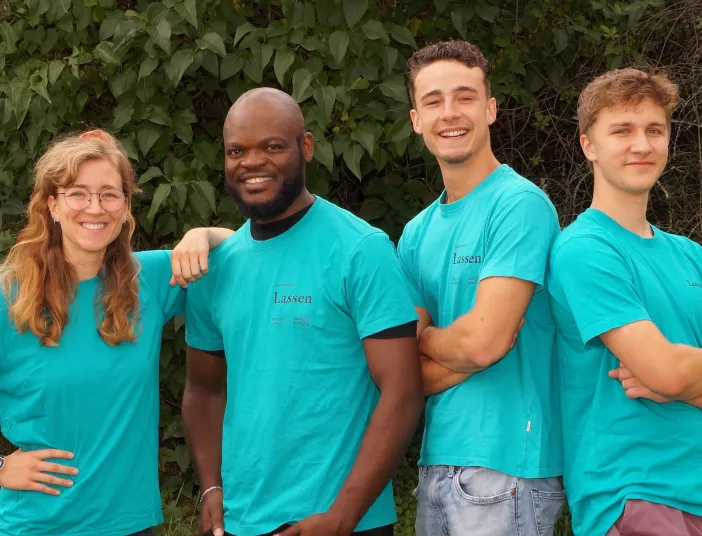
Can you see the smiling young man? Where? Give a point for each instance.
(323, 385)
(627, 300)
(475, 261)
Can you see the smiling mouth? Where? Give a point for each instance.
(257, 180)
(93, 226)
(453, 133)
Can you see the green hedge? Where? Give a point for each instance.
(161, 76)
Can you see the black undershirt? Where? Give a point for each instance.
(266, 231)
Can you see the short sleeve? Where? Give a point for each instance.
(156, 272)
(376, 292)
(588, 277)
(519, 237)
(201, 331)
(410, 270)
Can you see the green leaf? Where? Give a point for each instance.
(441, 5)
(210, 63)
(364, 135)
(324, 152)
(372, 208)
(184, 131)
(209, 192)
(231, 65)
(325, 97)
(206, 154)
(284, 58)
(147, 67)
(181, 193)
(106, 53)
(155, 12)
(38, 82)
(160, 195)
(178, 65)
(21, 98)
(352, 157)
(123, 82)
(159, 116)
(402, 35)
(151, 173)
(487, 12)
(188, 10)
(65, 5)
(404, 132)
(459, 22)
(147, 135)
(560, 39)
(395, 90)
(338, 44)
(212, 41)
(374, 29)
(55, 68)
(301, 84)
(161, 34)
(242, 30)
(354, 10)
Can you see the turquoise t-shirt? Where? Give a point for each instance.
(98, 401)
(506, 417)
(603, 277)
(290, 313)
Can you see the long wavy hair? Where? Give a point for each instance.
(39, 283)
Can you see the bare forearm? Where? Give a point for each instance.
(451, 347)
(203, 415)
(217, 235)
(387, 438)
(436, 378)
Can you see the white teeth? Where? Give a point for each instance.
(93, 226)
(258, 180)
(453, 133)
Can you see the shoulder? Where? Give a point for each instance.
(414, 227)
(582, 240)
(512, 188)
(350, 230)
(683, 243)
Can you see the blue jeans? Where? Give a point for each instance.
(474, 501)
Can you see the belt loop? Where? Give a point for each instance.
(451, 471)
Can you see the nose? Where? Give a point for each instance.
(252, 159)
(641, 144)
(450, 110)
(94, 206)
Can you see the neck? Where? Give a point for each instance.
(461, 179)
(303, 200)
(86, 264)
(626, 208)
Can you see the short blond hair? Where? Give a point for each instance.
(625, 87)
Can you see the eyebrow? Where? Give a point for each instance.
(456, 89)
(629, 124)
(86, 187)
(233, 144)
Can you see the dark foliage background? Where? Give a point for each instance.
(161, 76)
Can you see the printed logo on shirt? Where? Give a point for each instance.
(697, 284)
(290, 297)
(464, 280)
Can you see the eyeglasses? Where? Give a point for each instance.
(79, 199)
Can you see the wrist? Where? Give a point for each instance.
(344, 522)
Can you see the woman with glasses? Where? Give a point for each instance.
(81, 319)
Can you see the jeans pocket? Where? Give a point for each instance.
(478, 485)
(547, 509)
(420, 478)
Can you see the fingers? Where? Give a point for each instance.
(56, 481)
(52, 453)
(46, 467)
(637, 392)
(614, 373)
(291, 531)
(202, 260)
(41, 488)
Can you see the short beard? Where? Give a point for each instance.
(455, 160)
(290, 190)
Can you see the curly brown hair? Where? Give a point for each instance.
(628, 87)
(454, 50)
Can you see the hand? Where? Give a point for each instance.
(317, 525)
(189, 257)
(25, 471)
(633, 387)
(212, 513)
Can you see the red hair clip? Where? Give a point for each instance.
(99, 134)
